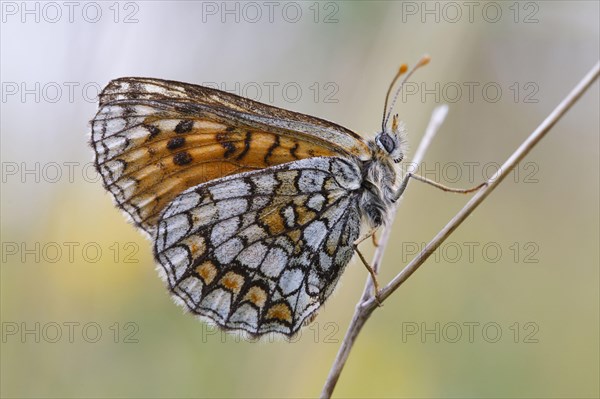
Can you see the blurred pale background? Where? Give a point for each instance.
(524, 265)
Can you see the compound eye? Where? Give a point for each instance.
(387, 143)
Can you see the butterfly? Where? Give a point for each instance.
(253, 210)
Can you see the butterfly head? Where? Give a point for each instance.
(393, 141)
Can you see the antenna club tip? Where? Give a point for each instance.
(403, 69)
(424, 60)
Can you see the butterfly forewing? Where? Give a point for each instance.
(153, 139)
(195, 100)
(261, 251)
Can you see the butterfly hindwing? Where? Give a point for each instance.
(261, 251)
(153, 139)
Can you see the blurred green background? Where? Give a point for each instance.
(509, 307)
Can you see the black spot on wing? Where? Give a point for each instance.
(222, 138)
(154, 131)
(175, 143)
(184, 126)
(182, 158)
(272, 148)
(247, 141)
(294, 149)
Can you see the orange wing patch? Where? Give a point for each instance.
(233, 282)
(207, 271)
(256, 296)
(281, 312)
(158, 159)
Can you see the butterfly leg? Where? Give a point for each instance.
(442, 187)
(371, 233)
(371, 272)
(446, 188)
(374, 238)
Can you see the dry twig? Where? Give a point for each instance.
(367, 303)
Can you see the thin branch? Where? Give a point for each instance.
(491, 184)
(437, 118)
(365, 307)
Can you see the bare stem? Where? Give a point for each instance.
(367, 304)
(359, 318)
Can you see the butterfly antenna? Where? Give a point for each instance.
(401, 71)
(403, 68)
